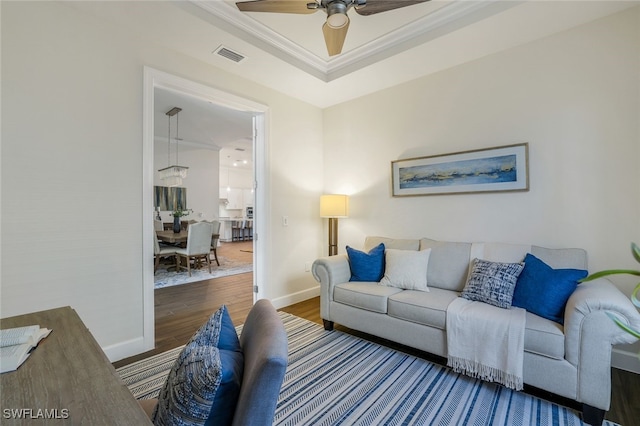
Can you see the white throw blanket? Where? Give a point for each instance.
(486, 342)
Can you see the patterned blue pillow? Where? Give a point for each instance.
(218, 331)
(492, 282)
(203, 385)
(366, 266)
(543, 290)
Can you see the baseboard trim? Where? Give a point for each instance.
(125, 349)
(297, 297)
(625, 360)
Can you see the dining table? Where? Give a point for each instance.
(172, 237)
(176, 238)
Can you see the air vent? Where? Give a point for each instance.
(229, 54)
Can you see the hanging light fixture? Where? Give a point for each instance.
(173, 175)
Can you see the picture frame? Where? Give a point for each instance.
(496, 169)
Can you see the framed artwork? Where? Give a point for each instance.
(170, 198)
(504, 168)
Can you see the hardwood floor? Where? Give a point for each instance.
(181, 310)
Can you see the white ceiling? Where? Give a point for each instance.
(203, 124)
(286, 52)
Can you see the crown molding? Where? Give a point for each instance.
(449, 17)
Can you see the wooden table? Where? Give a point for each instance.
(66, 380)
(172, 237)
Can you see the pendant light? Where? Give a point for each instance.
(173, 175)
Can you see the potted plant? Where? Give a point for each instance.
(635, 250)
(177, 214)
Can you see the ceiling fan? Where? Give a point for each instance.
(337, 24)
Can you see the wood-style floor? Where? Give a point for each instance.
(181, 310)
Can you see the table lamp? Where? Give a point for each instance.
(334, 206)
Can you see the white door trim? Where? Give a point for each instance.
(154, 78)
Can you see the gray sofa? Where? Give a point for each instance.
(572, 361)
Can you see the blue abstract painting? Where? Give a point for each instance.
(497, 169)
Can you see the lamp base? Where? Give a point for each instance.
(333, 236)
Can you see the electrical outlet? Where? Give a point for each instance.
(285, 220)
(307, 266)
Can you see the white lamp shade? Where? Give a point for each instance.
(334, 205)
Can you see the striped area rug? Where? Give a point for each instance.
(334, 378)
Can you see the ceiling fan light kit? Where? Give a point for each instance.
(337, 24)
(337, 15)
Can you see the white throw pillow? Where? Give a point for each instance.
(406, 269)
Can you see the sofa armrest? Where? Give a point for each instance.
(590, 334)
(329, 271)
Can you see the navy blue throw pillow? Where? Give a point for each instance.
(366, 266)
(543, 290)
(204, 384)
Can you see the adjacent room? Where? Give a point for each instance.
(360, 211)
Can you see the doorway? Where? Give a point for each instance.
(154, 79)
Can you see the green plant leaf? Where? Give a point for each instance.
(635, 250)
(624, 326)
(609, 272)
(634, 296)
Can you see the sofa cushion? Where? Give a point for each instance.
(391, 243)
(366, 266)
(423, 308)
(500, 252)
(543, 290)
(566, 258)
(543, 337)
(370, 296)
(448, 263)
(218, 331)
(406, 269)
(492, 282)
(204, 382)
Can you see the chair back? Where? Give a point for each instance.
(156, 246)
(215, 233)
(199, 238)
(264, 344)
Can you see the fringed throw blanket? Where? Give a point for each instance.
(486, 342)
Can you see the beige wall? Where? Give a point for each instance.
(72, 138)
(72, 130)
(574, 97)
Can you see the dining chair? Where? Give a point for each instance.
(161, 250)
(198, 246)
(215, 236)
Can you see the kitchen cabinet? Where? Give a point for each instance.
(234, 197)
(247, 195)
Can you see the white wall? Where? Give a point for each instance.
(573, 96)
(72, 168)
(202, 179)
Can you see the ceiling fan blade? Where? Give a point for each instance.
(334, 37)
(277, 6)
(377, 6)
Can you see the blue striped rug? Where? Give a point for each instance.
(334, 378)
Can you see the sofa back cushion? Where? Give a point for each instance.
(570, 258)
(391, 243)
(448, 263)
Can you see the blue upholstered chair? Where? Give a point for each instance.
(265, 350)
(264, 343)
